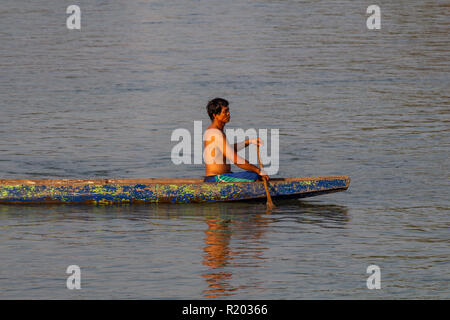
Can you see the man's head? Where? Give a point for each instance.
(218, 108)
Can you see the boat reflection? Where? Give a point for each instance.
(310, 212)
(236, 237)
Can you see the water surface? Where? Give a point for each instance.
(103, 102)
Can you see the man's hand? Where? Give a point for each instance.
(263, 175)
(256, 142)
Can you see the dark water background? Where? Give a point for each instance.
(103, 102)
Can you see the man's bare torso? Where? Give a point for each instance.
(215, 160)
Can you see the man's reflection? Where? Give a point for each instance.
(218, 254)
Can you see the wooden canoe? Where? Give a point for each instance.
(118, 191)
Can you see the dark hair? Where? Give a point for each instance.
(215, 106)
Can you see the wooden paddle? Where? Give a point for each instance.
(269, 203)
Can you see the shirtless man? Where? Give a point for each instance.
(218, 150)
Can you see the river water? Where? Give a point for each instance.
(103, 101)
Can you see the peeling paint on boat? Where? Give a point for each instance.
(127, 191)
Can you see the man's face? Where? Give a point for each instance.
(224, 115)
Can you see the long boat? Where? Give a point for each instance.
(127, 191)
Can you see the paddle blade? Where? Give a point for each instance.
(270, 205)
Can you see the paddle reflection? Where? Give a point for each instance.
(235, 237)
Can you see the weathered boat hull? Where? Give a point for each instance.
(121, 191)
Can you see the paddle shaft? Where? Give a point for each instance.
(270, 204)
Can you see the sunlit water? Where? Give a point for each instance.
(103, 102)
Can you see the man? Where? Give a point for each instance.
(218, 150)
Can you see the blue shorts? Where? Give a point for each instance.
(242, 176)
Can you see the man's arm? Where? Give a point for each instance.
(231, 154)
(240, 145)
(218, 141)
